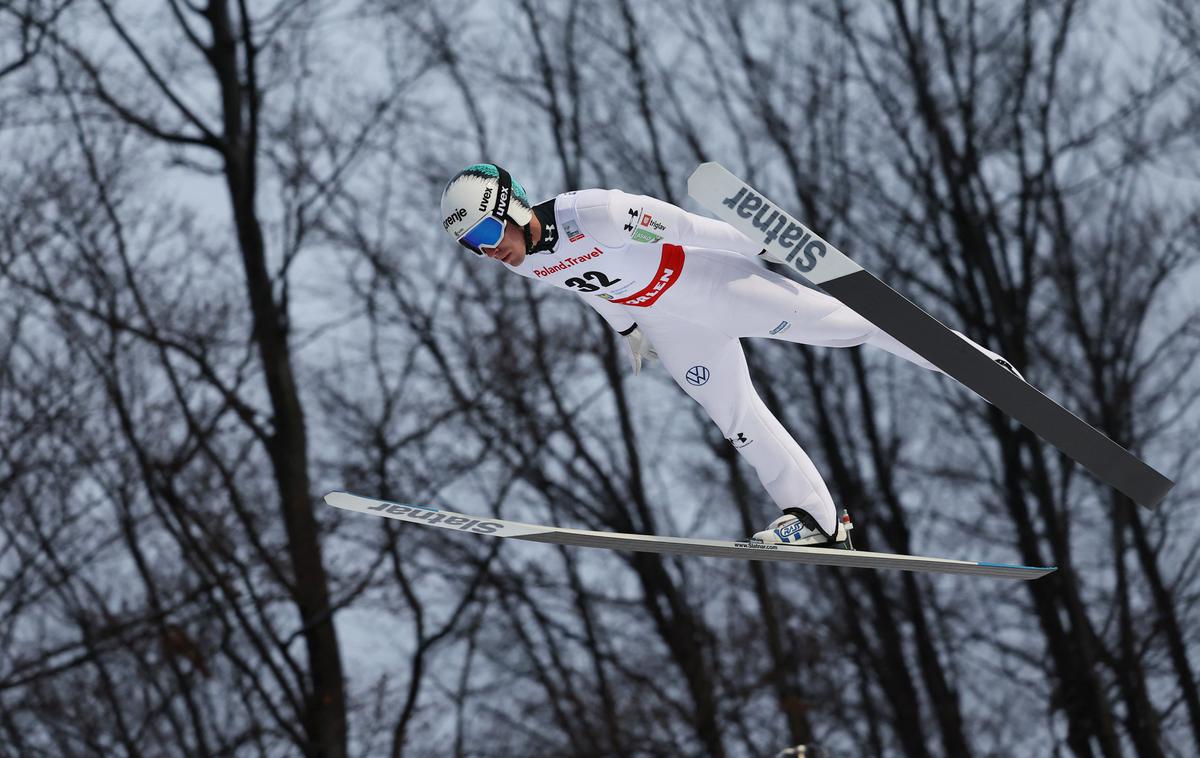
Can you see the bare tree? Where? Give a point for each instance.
(181, 378)
(199, 387)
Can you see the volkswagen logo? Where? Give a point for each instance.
(697, 375)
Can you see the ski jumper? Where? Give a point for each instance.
(693, 286)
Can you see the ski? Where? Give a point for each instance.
(747, 550)
(791, 243)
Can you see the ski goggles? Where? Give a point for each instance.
(489, 230)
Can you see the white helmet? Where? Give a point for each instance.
(477, 204)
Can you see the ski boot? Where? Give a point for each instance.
(795, 527)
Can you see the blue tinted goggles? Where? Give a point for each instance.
(486, 233)
(489, 230)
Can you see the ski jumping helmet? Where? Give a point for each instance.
(478, 203)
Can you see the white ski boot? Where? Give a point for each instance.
(796, 527)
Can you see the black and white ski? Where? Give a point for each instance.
(744, 549)
(791, 243)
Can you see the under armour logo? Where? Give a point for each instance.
(739, 441)
(697, 375)
(634, 213)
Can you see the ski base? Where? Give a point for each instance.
(742, 549)
(790, 242)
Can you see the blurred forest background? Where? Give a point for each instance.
(224, 291)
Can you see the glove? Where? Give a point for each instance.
(639, 348)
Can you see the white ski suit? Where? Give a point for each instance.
(693, 286)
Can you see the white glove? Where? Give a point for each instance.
(639, 348)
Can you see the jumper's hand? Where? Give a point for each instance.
(639, 349)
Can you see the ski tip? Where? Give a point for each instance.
(705, 169)
(347, 501)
